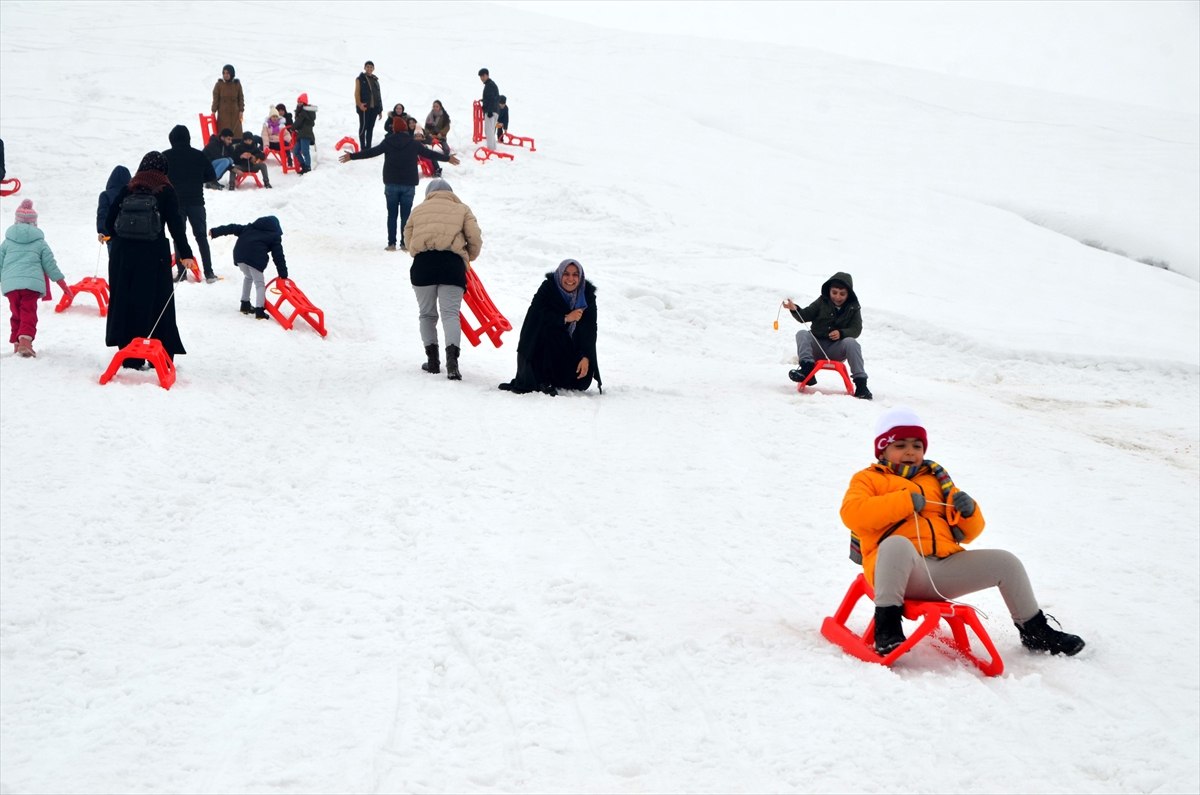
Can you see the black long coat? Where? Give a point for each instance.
(140, 278)
(547, 353)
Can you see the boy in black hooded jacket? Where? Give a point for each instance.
(255, 242)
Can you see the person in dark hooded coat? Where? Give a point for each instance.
(118, 179)
(557, 349)
(139, 271)
(190, 170)
(836, 318)
(229, 103)
(254, 242)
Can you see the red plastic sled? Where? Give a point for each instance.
(930, 614)
(828, 364)
(491, 322)
(96, 285)
(289, 293)
(144, 348)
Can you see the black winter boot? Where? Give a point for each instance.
(889, 632)
(452, 363)
(860, 388)
(261, 314)
(800, 373)
(434, 365)
(1038, 635)
(247, 309)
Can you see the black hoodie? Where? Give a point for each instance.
(187, 167)
(255, 241)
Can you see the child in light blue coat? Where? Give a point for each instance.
(26, 267)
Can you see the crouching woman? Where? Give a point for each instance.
(557, 349)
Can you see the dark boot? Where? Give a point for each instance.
(889, 632)
(247, 309)
(434, 365)
(452, 363)
(860, 388)
(261, 314)
(800, 373)
(1038, 635)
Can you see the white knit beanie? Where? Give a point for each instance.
(900, 422)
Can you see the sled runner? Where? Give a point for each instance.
(491, 322)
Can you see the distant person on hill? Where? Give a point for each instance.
(908, 523)
(26, 267)
(368, 101)
(118, 179)
(444, 239)
(400, 175)
(502, 116)
(139, 268)
(557, 348)
(836, 319)
(221, 151)
(190, 170)
(251, 158)
(228, 101)
(254, 242)
(491, 107)
(306, 118)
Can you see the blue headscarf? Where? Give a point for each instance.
(576, 299)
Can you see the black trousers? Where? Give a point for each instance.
(194, 214)
(366, 125)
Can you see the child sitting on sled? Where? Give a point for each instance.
(255, 242)
(908, 523)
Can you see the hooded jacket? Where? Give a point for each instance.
(825, 316)
(228, 102)
(26, 260)
(118, 179)
(187, 167)
(400, 153)
(255, 241)
(443, 222)
(878, 504)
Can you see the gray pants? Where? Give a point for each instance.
(430, 298)
(900, 574)
(847, 349)
(489, 129)
(255, 277)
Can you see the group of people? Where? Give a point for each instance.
(281, 131)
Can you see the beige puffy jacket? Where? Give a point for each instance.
(443, 223)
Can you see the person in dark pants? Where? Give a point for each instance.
(400, 176)
(190, 170)
(368, 101)
(249, 157)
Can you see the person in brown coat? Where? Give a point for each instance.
(443, 238)
(228, 101)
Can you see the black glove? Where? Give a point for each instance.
(918, 501)
(964, 503)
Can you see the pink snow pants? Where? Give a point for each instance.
(23, 306)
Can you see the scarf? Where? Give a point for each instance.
(909, 471)
(575, 299)
(151, 176)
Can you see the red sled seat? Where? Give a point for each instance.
(301, 307)
(144, 348)
(96, 285)
(957, 617)
(828, 364)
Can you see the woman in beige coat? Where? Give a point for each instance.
(229, 103)
(443, 239)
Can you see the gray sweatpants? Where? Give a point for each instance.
(430, 298)
(847, 349)
(900, 574)
(253, 276)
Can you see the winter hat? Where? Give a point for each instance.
(900, 422)
(436, 185)
(153, 161)
(274, 113)
(302, 99)
(399, 123)
(26, 214)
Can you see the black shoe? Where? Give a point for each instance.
(860, 388)
(432, 363)
(889, 632)
(247, 309)
(452, 372)
(1038, 635)
(260, 313)
(800, 373)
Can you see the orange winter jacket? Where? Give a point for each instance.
(878, 505)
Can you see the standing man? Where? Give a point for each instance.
(189, 170)
(368, 101)
(491, 107)
(400, 177)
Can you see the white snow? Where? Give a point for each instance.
(310, 567)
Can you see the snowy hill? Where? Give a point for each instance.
(309, 566)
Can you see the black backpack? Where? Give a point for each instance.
(138, 218)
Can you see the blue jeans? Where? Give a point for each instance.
(399, 198)
(302, 153)
(221, 165)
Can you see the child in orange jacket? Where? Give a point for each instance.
(908, 524)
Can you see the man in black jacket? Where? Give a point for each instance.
(189, 170)
(400, 177)
(220, 152)
(491, 107)
(249, 157)
(368, 101)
